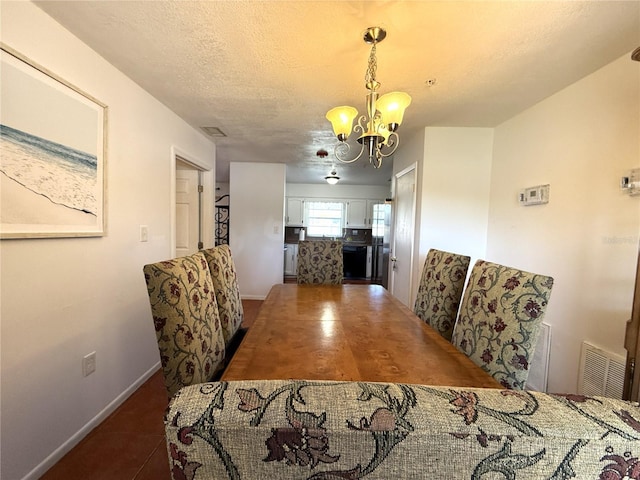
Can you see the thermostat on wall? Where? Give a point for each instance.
(534, 195)
(631, 182)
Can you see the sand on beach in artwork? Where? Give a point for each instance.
(20, 205)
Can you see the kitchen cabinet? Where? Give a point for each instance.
(291, 259)
(360, 212)
(295, 212)
(356, 214)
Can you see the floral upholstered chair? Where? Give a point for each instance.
(330, 430)
(499, 320)
(185, 316)
(225, 286)
(440, 290)
(320, 262)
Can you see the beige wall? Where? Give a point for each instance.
(455, 191)
(452, 183)
(580, 141)
(455, 185)
(64, 298)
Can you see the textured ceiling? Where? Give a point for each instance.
(266, 72)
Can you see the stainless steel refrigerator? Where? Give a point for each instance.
(380, 238)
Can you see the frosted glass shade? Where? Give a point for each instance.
(341, 119)
(384, 132)
(332, 180)
(392, 106)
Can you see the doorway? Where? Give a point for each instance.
(188, 209)
(192, 204)
(631, 389)
(403, 238)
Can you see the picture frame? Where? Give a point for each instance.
(53, 154)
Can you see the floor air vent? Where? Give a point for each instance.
(601, 372)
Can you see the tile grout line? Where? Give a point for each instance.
(163, 441)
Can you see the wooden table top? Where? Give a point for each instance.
(347, 332)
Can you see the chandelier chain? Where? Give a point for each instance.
(370, 77)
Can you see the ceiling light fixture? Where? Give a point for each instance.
(332, 178)
(384, 115)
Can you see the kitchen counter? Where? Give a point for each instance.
(359, 236)
(344, 242)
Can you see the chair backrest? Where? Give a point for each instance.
(185, 316)
(225, 286)
(320, 262)
(440, 290)
(499, 320)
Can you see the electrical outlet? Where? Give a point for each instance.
(89, 364)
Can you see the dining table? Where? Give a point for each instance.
(349, 332)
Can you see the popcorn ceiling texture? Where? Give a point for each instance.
(267, 72)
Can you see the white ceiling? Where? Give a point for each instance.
(266, 72)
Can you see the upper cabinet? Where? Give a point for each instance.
(295, 212)
(356, 214)
(359, 213)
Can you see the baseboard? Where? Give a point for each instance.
(253, 297)
(63, 449)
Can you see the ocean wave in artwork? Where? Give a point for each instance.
(62, 174)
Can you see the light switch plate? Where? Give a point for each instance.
(89, 364)
(144, 233)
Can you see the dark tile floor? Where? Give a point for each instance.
(130, 443)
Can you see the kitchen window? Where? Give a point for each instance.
(324, 219)
(377, 224)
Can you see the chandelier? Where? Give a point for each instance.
(384, 115)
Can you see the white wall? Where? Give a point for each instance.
(453, 176)
(63, 298)
(581, 141)
(455, 185)
(256, 226)
(454, 204)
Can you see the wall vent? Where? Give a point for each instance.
(601, 372)
(539, 364)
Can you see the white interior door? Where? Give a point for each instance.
(401, 259)
(187, 210)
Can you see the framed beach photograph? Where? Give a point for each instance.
(52, 154)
